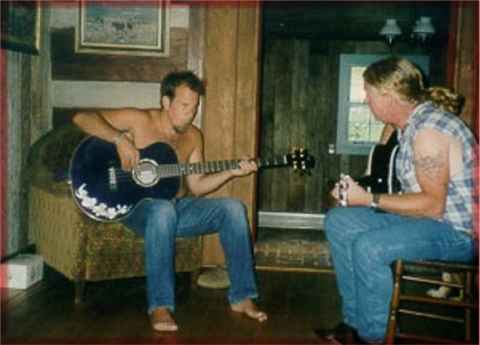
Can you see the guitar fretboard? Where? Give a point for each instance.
(169, 170)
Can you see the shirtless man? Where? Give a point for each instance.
(432, 218)
(161, 221)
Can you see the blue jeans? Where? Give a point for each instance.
(161, 221)
(364, 243)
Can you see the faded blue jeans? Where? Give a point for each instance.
(161, 221)
(364, 243)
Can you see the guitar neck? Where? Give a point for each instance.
(169, 170)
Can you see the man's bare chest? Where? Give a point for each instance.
(179, 144)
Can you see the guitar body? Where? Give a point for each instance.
(105, 192)
(382, 177)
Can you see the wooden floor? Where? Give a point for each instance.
(115, 312)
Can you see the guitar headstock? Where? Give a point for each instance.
(300, 160)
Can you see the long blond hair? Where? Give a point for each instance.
(406, 80)
(445, 99)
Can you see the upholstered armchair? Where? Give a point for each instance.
(82, 249)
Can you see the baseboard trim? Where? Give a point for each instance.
(291, 220)
(294, 269)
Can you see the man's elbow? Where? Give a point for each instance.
(197, 192)
(436, 210)
(77, 119)
(82, 117)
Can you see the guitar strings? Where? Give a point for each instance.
(199, 168)
(196, 168)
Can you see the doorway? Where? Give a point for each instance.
(301, 48)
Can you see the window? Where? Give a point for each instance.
(357, 129)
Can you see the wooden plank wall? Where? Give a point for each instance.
(230, 119)
(68, 65)
(466, 44)
(299, 109)
(19, 111)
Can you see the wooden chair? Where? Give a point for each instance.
(411, 302)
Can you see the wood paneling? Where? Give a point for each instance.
(19, 110)
(463, 77)
(230, 119)
(349, 20)
(4, 130)
(68, 65)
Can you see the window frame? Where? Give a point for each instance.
(347, 61)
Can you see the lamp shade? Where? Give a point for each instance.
(424, 25)
(423, 28)
(390, 30)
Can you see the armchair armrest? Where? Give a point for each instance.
(58, 230)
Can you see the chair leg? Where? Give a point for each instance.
(392, 321)
(79, 291)
(468, 298)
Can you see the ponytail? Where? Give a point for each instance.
(445, 99)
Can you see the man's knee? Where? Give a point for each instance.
(235, 217)
(335, 218)
(234, 209)
(332, 214)
(368, 250)
(160, 212)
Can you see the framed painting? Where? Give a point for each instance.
(126, 28)
(20, 26)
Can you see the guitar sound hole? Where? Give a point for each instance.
(145, 174)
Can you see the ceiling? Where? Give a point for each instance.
(348, 20)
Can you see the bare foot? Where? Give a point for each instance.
(248, 308)
(162, 321)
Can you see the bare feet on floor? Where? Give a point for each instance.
(162, 321)
(248, 308)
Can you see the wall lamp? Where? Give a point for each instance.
(421, 31)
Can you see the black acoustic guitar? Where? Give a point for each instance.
(104, 192)
(381, 166)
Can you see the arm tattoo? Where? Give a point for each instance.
(430, 165)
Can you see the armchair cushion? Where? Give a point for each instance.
(50, 156)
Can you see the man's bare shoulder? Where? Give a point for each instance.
(432, 139)
(130, 111)
(126, 113)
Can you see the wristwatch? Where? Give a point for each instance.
(375, 201)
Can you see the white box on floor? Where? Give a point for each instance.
(22, 271)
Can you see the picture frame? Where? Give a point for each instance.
(20, 26)
(123, 28)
